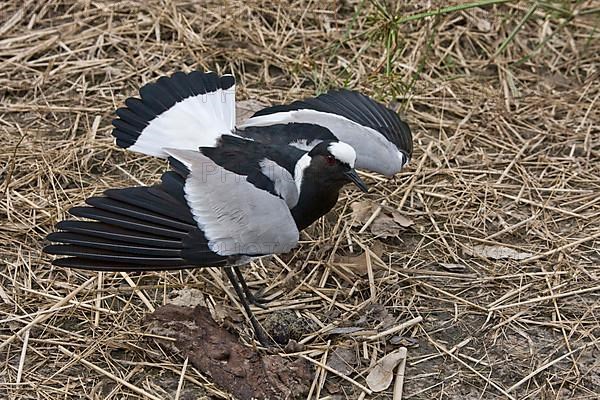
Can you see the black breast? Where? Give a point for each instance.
(316, 199)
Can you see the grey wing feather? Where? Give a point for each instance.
(236, 217)
(383, 142)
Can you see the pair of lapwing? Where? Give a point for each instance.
(232, 192)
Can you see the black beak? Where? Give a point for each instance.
(353, 176)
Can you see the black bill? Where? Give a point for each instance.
(353, 176)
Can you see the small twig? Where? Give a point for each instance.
(544, 298)
(396, 328)
(181, 379)
(108, 374)
(547, 207)
(399, 383)
(22, 357)
(370, 275)
(561, 248)
(333, 371)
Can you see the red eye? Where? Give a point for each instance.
(330, 160)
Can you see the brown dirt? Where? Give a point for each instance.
(240, 370)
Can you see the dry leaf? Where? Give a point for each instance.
(345, 330)
(381, 375)
(404, 341)
(402, 220)
(361, 212)
(358, 264)
(342, 360)
(385, 226)
(389, 221)
(453, 267)
(498, 252)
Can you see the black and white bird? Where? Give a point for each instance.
(231, 194)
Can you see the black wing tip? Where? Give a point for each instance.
(133, 229)
(54, 237)
(376, 115)
(227, 81)
(356, 107)
(75, 262)
(103, 266)
(53, 249)
(161, 95)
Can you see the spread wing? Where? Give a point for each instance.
(236, 216)
(199, 215)
(183, 111)
(383, 142)
(188, 111)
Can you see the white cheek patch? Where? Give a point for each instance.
(343, 152)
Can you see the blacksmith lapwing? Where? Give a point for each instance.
(231, 194)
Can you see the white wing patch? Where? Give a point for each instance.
(301, 165)
(374, 151)
(304, 144)
(283, 181)
(191, 123)
(236, 217)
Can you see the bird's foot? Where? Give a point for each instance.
(257, 299)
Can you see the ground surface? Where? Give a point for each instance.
(487, 245)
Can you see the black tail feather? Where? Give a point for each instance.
(109, 255)
(121, 208)
(94, 242)
(134, 229)
(125, 222)
(114, 233)
(110, 266)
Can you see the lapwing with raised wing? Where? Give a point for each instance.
(231, 194)
(189, 111)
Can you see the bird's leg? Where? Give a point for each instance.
(251, 297)
(258, 330)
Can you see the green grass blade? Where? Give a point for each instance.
(447, 10)
(514, 32)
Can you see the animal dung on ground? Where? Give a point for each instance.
(241, 370)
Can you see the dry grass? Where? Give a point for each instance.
(507, 153)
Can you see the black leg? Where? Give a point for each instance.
(251, 297)
(258, 330)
